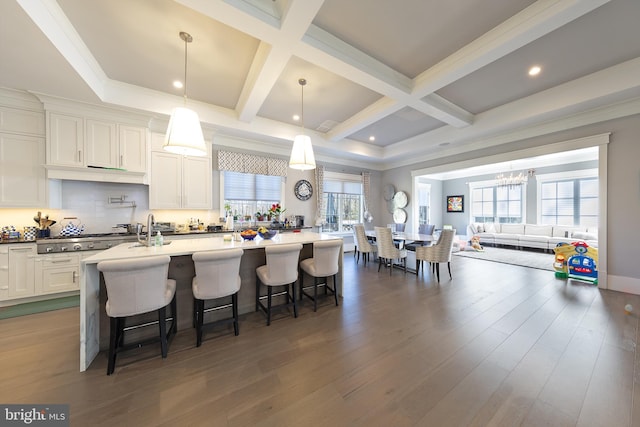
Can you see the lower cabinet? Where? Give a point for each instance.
(59, 273)
(21, 270)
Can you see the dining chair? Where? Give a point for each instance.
(217, 276)
(387, 250)
(437, 253)
(137, 286)
(365, 247)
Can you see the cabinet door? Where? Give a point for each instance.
(60, 273)
(4, 272)
(65, 142)
(22, 179)
(102, 144)
(21, 270)
(196, 184)
(133, 148)
(165, 186)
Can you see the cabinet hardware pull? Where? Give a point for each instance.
(20, 249)
(79, 155)
(120, 160)
(4, 288)
(56, 261)
(73, 276)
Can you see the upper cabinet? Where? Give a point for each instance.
(23, 182)
(178, 182)
(111, 149)
(92, 143)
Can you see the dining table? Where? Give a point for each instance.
(404, 237)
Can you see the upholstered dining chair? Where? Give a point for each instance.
(387, 250)
(437, 253)
(137, 286)
(217, 276)
(324, 264)
(281, 270)
(365, 247)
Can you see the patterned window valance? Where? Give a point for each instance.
(251, 163)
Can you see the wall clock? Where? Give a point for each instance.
(303, 189)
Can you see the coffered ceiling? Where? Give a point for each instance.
(426, 78)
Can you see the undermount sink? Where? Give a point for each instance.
(140, 245)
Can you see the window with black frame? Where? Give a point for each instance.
(343, 205)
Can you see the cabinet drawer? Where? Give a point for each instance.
(60, 279)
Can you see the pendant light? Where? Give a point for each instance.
(302, 152)
(184, 133)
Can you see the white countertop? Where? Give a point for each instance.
(189, 246)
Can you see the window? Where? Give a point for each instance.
(492, 203)
(342, 201)
(569, 202)
(245, 194)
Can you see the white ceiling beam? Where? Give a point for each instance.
(537, 20)
(269, 61)
(55, 25)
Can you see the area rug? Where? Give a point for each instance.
(533, 259)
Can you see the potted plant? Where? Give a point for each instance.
(259, 216)
(275, 210)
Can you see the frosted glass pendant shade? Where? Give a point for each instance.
(184, 134)
(302, 154)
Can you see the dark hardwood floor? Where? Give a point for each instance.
(499, 345)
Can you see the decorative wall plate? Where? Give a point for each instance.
(388, 191)
(400, 199)
(399, 216)
(303, 189)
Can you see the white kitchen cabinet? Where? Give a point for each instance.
(21, 276)
(109, 150)
(179, 182)
(132, 148)
(101, 144)
(65, 140)
(59, 273)
(4, 272)
(23, 180)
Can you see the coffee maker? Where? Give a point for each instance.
(299, 221)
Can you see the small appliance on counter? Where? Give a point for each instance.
(163, 227)
(298, 221)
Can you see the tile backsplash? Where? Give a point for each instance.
(95, 205)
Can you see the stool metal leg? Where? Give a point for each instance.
(234, 302)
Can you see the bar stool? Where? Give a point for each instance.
(323, 265)
(217, 276)
(281, 270)
(137, 286)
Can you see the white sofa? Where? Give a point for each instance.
(531, 235)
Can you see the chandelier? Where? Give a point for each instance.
(512, 180)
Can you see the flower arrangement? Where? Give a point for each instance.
(276, 209)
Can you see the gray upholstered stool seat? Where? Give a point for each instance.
(217, 276)
(281, 270)
(137, 286)
(324, 264)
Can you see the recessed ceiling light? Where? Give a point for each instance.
(372, 138)
(534, 71)
(177, 84)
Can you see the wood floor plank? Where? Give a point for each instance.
(495, 345)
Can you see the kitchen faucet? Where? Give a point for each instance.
(148, 242)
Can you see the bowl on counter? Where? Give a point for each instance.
(268, 234)
(248, 235)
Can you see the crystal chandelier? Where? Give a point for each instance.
(512, 180)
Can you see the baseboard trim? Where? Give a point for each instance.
(629, 285)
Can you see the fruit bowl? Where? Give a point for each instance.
(248, 235)
(267, 234)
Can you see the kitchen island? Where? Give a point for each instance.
(92, 293)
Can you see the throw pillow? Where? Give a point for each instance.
(490, 228)
(480, 228)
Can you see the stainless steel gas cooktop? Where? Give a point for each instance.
(83, 242)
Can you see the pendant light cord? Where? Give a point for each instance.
(187, 39)
(302, 83)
